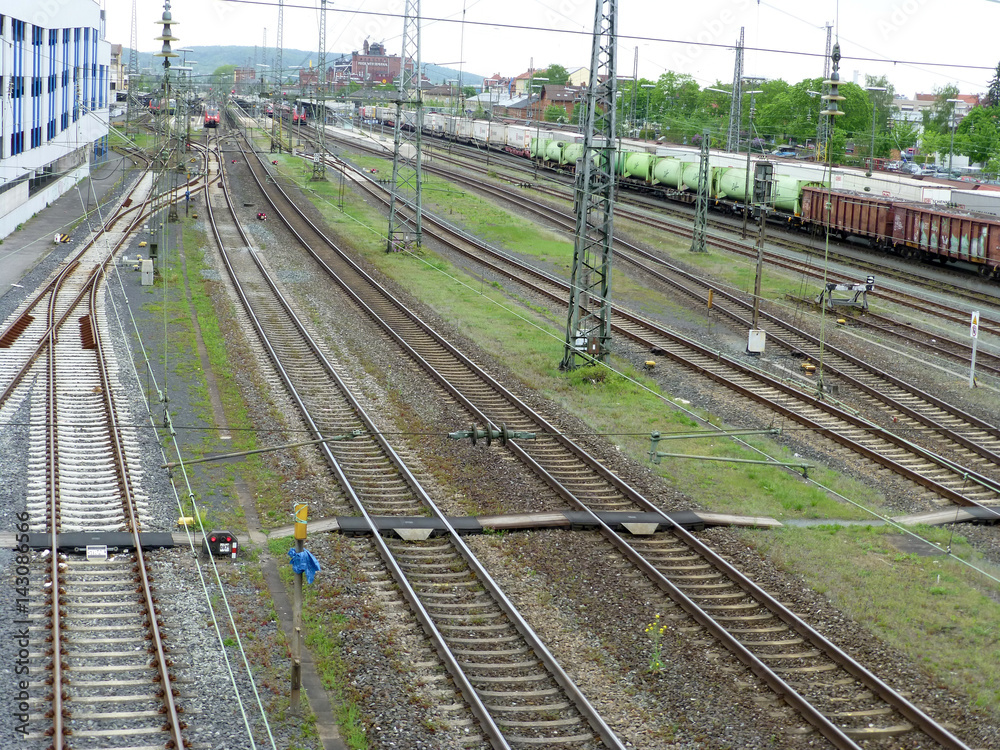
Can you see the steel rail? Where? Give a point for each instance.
(132, 519)
(893, 698)
(826, 727)
(478, 709)
(732, 245)
(582, 704)
(838, 737)
(635, 333)
(564, 222)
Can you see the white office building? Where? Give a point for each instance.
(54, 79)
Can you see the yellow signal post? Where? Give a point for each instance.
(299, 533)
(301, 515)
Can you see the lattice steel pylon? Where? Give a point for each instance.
(131, 106)
(405, 204)
(736, 105)
(588, 325)
(319, 162)
(701, 204)
(278, 82)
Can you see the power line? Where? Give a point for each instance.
(661, 40)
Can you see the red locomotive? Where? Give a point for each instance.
(211, 115)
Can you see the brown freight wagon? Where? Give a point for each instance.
(927, 232)
(850, 213)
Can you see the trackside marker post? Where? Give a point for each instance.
(974, 335)
(301, 516)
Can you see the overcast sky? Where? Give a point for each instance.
(930, 34)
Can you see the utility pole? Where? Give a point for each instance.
(166, 53)
(701, 204)
(736, 105)
(635, 88)
(406, 167)
(131, 108)
(319, 162)
(588, 325)
(763, 180)
(278, 82)
(825, 123)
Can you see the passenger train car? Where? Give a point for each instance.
(913, 218)
(211, 115)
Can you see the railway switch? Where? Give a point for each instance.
(221, 544)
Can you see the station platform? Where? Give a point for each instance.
(23, 249)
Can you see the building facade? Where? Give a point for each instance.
(116, 74)
(55, 84)
(374, 66)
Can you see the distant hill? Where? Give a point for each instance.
(211, 58)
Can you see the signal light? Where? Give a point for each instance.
(221, 544)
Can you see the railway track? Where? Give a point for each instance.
(837, 253)
(445, 586)
(945, 479)
(105, 679)
(940, 426)
(830, 692)
(629, 206)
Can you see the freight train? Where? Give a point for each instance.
(914, 218)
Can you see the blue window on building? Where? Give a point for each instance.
(64, 121)
(17, 88)
(76, 73)
(51, 126)
(86, 66)
(93, 70)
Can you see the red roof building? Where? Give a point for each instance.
(375, 66)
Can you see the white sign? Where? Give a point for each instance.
(974, 325)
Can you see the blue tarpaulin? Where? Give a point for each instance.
(304, 562)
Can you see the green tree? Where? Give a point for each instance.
(978, 135)
(932, 142)
(676, 103)
(993, 93)
(884, 110)
(222, 76)
(938, 116)
(557, 75)
(903, 135)
(469, 91)
(555, 114)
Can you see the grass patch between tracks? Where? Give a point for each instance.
(324, 629)
(947, 623)
(531, 337)
(941, 614)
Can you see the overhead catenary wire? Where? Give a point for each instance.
(145, 357)
(630, 37)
